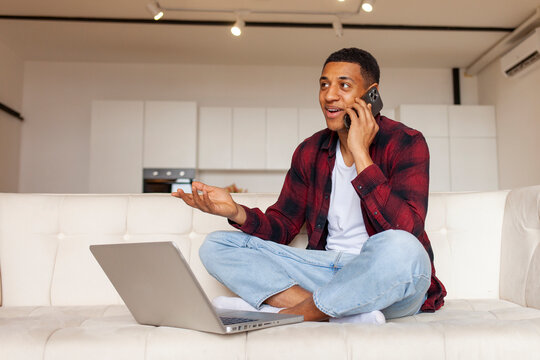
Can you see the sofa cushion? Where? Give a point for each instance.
(494, 329)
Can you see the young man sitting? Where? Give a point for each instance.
(362, 192)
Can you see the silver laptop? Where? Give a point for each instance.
(159, 288)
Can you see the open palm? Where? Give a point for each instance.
(210, 199)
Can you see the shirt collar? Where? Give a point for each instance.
(330, 143)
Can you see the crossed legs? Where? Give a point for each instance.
(391, 274)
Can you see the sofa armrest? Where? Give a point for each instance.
(520, 248)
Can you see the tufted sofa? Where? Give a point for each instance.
(58, 304)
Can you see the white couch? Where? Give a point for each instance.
(58, 304)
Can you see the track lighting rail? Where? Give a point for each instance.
(269, 24)
(263, 12)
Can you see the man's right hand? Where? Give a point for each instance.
(213, 200)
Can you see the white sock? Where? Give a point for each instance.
(374, 317)
(236, 303)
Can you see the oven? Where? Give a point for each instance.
(167, 180)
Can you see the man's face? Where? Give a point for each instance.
(340, 84)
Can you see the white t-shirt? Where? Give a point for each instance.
(346, 229)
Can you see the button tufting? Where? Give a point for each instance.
(127, 237)
(61, 236)
(444, 231)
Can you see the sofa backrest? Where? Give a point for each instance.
(44, 239)
(465, 233)
(520, 262)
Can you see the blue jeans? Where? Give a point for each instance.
(392, 273)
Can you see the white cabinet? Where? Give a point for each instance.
(215, 138)
(431, 120)
(116, 147)
(474, 164)
(249, 138)
(462, 143)
(281, 136)
(473, 148)
(253, 138)
(310, 121)
(439, 164)
(170, 134)
(127, 136)
(472, 121)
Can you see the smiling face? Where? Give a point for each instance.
(340, 84)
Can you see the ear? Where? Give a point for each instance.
(373, 85)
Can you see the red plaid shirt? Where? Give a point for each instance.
(393, 193)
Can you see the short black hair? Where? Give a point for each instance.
(368, 64)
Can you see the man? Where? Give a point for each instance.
(362, 193)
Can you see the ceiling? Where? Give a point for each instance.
(159, 42)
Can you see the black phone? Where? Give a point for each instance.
(372, 97)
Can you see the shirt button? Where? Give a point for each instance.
(326, 196)
(318, 226)
(359, 186)
(375, 213)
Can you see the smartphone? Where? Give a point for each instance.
(372, 97)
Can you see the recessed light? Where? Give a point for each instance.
(367, 5)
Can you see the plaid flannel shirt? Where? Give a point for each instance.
(393, 193)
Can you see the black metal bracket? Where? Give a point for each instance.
(11, 112)
(456, 86)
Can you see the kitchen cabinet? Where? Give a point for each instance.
(127, 136)
(249, 138)
(253, 138)
(432, 121)
(215, 138)
(462, 142)
(473, 148)
(310, 121)
(439, 167)
(251, 147)
(281, 137)
(170, 134)
(116, 147)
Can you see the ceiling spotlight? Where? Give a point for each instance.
(155, 10)
(338, 27)
(238, 26)
(367, 5)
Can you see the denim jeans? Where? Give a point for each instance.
(392, 273)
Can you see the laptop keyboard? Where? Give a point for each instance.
(234, 320)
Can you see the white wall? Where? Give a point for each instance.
(517, 107)
(57, 102)
(11, 93)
